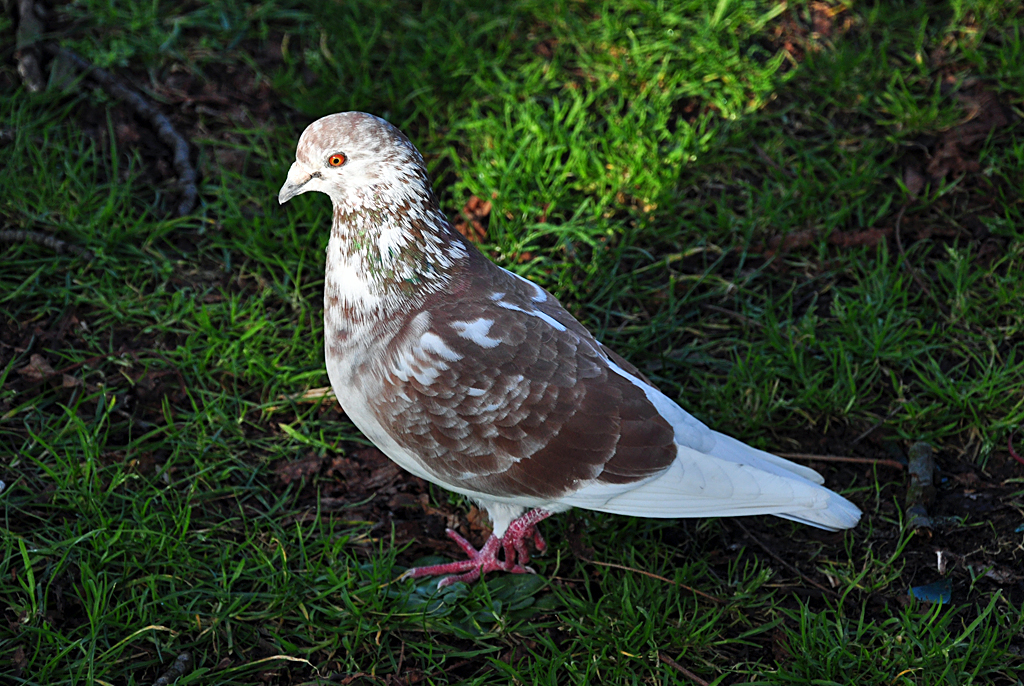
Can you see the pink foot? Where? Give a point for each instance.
(479, 562)
(486, 559)
(514, 540)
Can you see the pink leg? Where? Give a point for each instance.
(486, 559)
(538, 541)
(515, 538)
(466, 546)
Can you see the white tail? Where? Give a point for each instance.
(732, 479)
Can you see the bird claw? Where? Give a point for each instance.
(486, 559)
(479, 563)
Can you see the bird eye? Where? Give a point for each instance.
(336, 160)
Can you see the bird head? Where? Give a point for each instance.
(359, 160)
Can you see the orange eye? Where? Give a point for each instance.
(336, 160)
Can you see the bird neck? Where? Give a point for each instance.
(388, 258)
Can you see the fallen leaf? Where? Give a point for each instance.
(1001, 575)
(821, 19)
(478, 519)
(991, 249)
(403, 500)
(470, 221)
(854, 239)
(793, 239)
(957, 148)
(546, 48)
(288, 471)
(780, 646)
(19, 661)
(914, 180)
(37, 369)
(969, 479)
(382, 476)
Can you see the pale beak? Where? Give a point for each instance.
(295, 184)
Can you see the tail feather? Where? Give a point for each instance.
(735, 480)
(838, 514)
(733, 450)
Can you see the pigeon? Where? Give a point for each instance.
(478, 380)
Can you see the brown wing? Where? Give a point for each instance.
(503, 397)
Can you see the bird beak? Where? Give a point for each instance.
(295, 184)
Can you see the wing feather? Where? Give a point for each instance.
(509, 398)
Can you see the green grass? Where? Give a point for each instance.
(643, 159)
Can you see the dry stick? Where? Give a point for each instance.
(868, 432)
(871, 429)
(735, 315)
(401, 659)
(772, 163)
(653, 576)
(349, 678)
(1013, 453)
(783, 562)
(683, 670)
(453, 667)
(918, 279)
(182, 666)
(838, 458)
(29, 30)
(164, 129)
(57, 245)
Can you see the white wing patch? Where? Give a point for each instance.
(539, 294)
(477, 331)
(427, 375)
(425, 358)
(554, 323)
(430, 342)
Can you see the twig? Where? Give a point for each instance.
(452, 667)
(683, 670)
(839, 458)
(311, 395)
(57, 245)
(768, 160)
(27, 56)
(868, 432)
(914, 274)
(76, 365)
(735, 315)
(181, 666)
(653, 576)
(164, 129)
(785, 564)
(349, 678)
(1013, 453)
